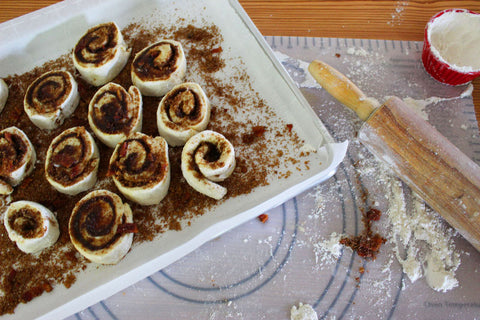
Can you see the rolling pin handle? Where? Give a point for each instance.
(342, 89)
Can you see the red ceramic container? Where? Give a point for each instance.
(437, 58)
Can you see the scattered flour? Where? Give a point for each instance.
(303, 312)
(422, 242)
(425, 239)
(357, 52)
(420, 105)
(397, 15)
(328, 250)
(419, 238)
(320, 197)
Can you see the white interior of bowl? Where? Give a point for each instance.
(455, 40)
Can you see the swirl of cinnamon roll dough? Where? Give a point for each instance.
(17, 158)
(101, 227)
(3, 94)
(51, 98)
(183, 112)
(72, 161)
(158, 68)
(100, 54)
(31, 226)
(114, 113)
(140, 168)
(208, 157)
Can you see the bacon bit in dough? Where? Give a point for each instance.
(127, 228)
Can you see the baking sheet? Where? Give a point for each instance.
(260, 270)
(38, 37)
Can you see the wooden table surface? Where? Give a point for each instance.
(373, 19)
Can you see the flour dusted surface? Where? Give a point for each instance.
(422, 242)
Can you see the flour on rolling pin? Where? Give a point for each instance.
(422, 241)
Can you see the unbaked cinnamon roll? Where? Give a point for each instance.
(101, 53)
(159, 67)
(51, 98)
(141, 169)
(17, 158)
(101, 227)
(72, 161)
(114, 113)
(31, 226)
(3, 94)
(183, 112)
(208, 157)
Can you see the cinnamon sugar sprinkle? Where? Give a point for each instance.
(256, 139)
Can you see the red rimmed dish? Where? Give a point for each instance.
(452, 46)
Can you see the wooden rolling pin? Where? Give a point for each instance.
(423, 158)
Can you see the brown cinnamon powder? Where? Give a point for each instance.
(368, 243)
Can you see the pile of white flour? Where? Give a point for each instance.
(425, 239)
(303, 312)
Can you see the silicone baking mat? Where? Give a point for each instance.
(260, 270)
